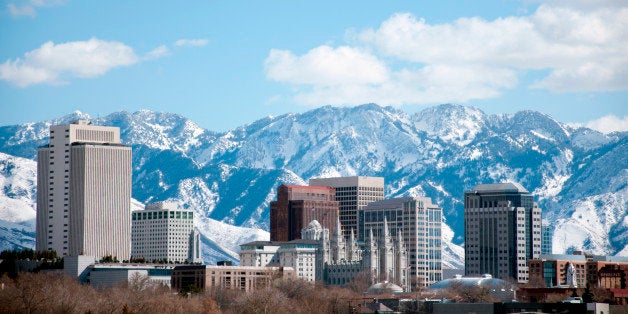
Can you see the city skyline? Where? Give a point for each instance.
(228, 64)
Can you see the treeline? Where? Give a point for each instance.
(30, 254)
(57, 293)
(47, 292)
(14, 261)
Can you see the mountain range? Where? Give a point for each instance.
(579, 176)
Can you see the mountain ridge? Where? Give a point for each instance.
(438, 152)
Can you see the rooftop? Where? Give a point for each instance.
(309, 187)
(486, 281)
(398, 202)
(500, 187)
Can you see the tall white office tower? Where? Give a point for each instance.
(84, 192)
(419, 222)
(353, 194)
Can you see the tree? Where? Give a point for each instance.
(360, 282)
(109, 259)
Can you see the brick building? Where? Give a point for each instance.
(297, 205)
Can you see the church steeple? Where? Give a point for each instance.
(338, 244)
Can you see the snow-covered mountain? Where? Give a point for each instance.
(579, 176)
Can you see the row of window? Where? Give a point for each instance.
(162, 215)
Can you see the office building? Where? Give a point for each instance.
(296, 206)
(353, 194)
(580, 270)
(165, 232)
(299, 254)
(547, 232)
(84, 192)
(502, 231)
(417, 221)
(246, 278)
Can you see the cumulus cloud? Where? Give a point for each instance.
(199, 42)
(29, 8)
(53, 63)
(326, 66)
(609, 124)
(579, 47)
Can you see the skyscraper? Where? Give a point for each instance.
(547, 231)
(418, 222)
(502, 230)
(84, 192)
(296, 206)
(353, 194)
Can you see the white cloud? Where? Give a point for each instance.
(430, 84)
(25, 10)
(158, 52)
(584, 50)
(608, 124)
(29, 8)
(326, 66)
(52, 63)
(406, 60)
(191, 42)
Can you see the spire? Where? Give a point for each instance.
(338, 231)
(352, 238)
(386, 231)
(370, 239)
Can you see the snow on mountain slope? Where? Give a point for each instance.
(587, 226)
(158, 130)
(18, 188)
(230, 178)
(453, 124)
(16, 236)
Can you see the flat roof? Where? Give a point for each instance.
(500, 187)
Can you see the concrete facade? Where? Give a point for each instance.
(502, 231)
(163, 231)
(417, 221)
(84, 192)
(299, 255)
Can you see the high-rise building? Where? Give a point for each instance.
(353, 194)
(418, 222)
(84, 192)
(502, 231)
(165, 232)
(547, 231)
(296, 206)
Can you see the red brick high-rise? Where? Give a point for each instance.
(297, 205)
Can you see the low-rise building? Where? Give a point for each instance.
(107, 275)
(245, 278)
(580, 270)
(297, 254)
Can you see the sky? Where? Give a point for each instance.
(227, 63)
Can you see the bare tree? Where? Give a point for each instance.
(360, 282)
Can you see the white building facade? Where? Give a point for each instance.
(259, 253)
(416, 222)
(165, 232)
(299, 255)
(84, 192)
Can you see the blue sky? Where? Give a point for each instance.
(227, 63)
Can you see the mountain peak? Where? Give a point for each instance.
(451, 123)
